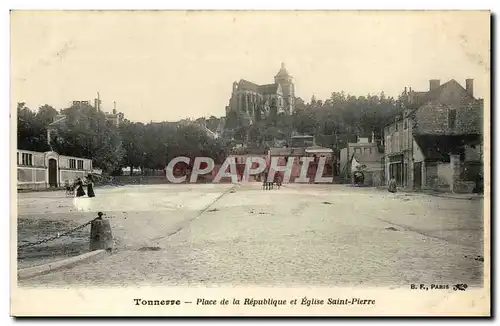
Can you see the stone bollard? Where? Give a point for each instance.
(100, 234)
(392, 186)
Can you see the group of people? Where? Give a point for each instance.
(359, 177)
(80, 192)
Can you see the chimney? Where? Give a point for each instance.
(433, 84)
(469, 86)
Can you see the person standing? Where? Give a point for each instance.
(90, 186)
(79, 188)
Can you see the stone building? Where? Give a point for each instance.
(437, 143)
(40, 170)
(260, 101)
(366, 155)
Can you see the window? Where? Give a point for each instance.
(452, 118)
(80, 164)
(72, 163)
(17, 158)
(405, 124)
(397, 126)
(27, 159)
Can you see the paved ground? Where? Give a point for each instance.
(298, 235)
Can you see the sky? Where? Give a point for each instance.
(169, 65)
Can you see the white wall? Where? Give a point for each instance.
(418, 156)
(473, 154)
(37, 175)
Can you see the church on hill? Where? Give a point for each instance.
(260, 101)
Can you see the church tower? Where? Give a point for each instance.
(286, 81)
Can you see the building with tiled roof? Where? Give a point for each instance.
(437, 142)
(259, 101)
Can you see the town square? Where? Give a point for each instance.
(211, 149)
(202, 234)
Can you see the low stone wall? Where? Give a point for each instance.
(27, 187)
(138, 179)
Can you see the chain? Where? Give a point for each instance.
(59, 235)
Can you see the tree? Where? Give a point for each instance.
(132, 135)
(46, 115)
(87, 133)
(32, 128)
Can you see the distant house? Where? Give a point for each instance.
(303, 146)
(437, 143)
(60, 120)
(214, 133)
(302, 141)
(365, 155)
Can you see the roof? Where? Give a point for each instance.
(268, 89)
(318, 149)
(245, 84)
(249, 151)
(302, 136)
(438, 147)
(287, 151)
(449, 93)
(59, 119)
(372, 144)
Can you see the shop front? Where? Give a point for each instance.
(398, 170)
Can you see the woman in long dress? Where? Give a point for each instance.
(79, 188)
(90, 186)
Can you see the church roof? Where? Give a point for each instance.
(245, 84)
(268, 89)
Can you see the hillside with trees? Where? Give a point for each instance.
(333, 122)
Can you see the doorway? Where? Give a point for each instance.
(417, 175)
(52, 172)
